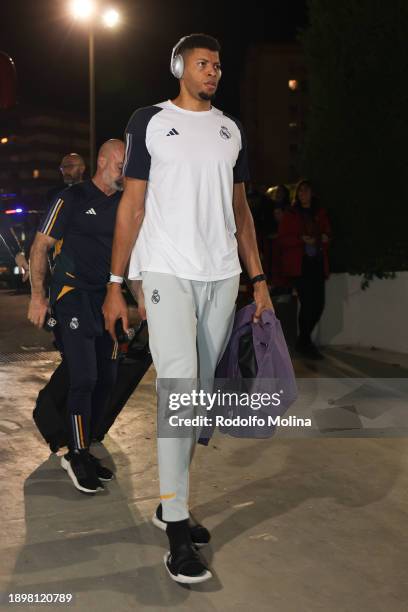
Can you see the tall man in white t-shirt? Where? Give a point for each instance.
(182, 220)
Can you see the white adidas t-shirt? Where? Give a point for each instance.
(191, 161)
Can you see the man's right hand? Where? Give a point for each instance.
(37, 310)
(114, 308)
(23, 266)
(309, 240)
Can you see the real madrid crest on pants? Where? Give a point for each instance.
(74, 324)
(155, 296)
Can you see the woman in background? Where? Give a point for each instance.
(304, 235)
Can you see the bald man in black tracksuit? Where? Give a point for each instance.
(83, 218)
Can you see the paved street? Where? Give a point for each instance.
(298, 524)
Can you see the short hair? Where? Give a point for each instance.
(198, 41)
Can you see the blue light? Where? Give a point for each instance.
(19, 210)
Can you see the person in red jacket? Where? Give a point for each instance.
(273, 213)
(304, 236)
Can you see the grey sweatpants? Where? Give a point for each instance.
(189, 326)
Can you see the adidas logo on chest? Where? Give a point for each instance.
(91, 211)
(173, 132)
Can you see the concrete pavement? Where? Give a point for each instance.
(297, 524)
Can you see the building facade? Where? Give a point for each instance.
(274, 103)
(32, 144)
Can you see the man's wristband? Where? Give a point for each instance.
(116, 279)
(258, 278)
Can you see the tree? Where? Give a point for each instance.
(356, 143)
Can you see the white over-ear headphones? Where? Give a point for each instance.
(177, 60)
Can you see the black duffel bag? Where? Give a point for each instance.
(50, 408)
(133, 365)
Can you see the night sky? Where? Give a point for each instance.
(50, 51)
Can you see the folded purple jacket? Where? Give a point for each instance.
(256, 361)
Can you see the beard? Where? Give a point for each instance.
(118, 184)
(205, 96)
(72, 179)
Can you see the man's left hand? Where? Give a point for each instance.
(262, 300)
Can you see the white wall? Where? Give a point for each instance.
(377, 316)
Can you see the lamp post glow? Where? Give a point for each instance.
(84, 10)
(111, 18)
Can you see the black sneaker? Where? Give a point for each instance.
(309, 351)
(315, 353)
(186, 566)
(102, 472)
(81, 471)
(200, 536)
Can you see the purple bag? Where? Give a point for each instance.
(256, 361)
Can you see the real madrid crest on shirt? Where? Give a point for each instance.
(225, 133)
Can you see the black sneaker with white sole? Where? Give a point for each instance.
(200, 536)
(81, 471)
(186, 566)
(102, 472)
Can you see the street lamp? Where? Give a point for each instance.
(85, 10)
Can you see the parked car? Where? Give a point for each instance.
(24, 224)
